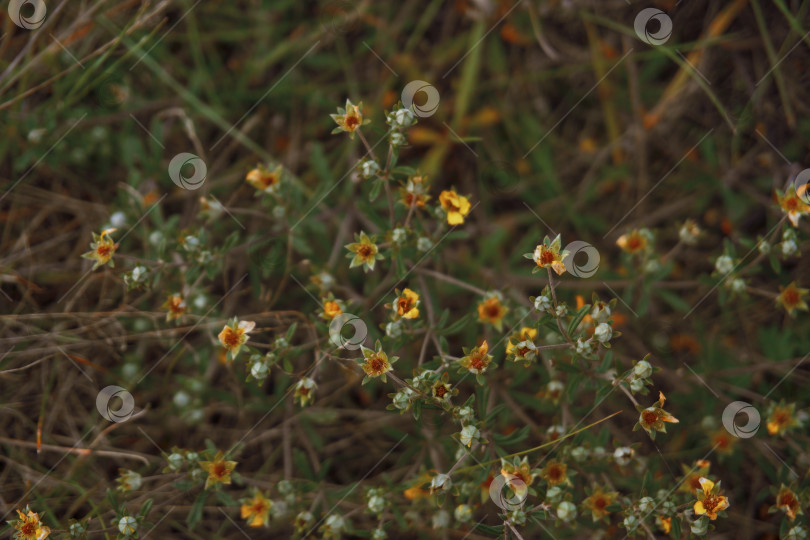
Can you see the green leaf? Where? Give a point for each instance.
(145, 509)
(196, 512)
(375, 190)
(578, 316)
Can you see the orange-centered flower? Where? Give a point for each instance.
(405, 306)
(348, 119)
(519, 475)
(788, 502)
(492, 311)
(652, 418)
(219, 470)
(525, 334)
(29, 527)
(598, 503)
(632, 242)
(234, 336)
(781, 418)
(102, 249)
(176, 307)
(377, 364)
(555, 473)
(264, 179)
(548, 255)
(455, 206)
(256, 510)
(364, 252)
(792, 205)
(477, 360)
(710, 502)
(792, 298)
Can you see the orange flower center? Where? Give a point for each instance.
(711, 502)
(790, 297)
(365, 251)
(555, 473)
(493, 310)
(600, 503)
(404, 305)
(231, 338)
(352, 122)
(268, 180)
(547, 257)
(634, 243)
(791, 205)
(219, 470)
(787, 499)
(29, 529)
(477, 362)
(781, 418)
(441, 391)
(376, 364)
(649, 417)
(175, 304)
(103, 250)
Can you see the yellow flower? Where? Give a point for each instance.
(176, 307)
(632, 242)
(477, 360)
(348, 120)
(405, 305)
(264, 179)
(781, 418)
(492, 311)
(652, 418)
(29, 527)
(234, 336)
(455, 206)
(710, 502)
(555, 473)
(219, 470)
(525, 334)
(792, 298)
(376, 363)
(598, 503)
(664, 523)
(788, 502)
(256, 510)
(548, 255)
(365, 252)
(331, 309)
(102, 249)
(792, 205)
(518, 475)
